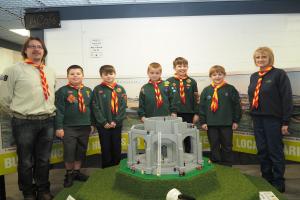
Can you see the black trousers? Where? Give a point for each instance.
(110, 141)
(186, 117)
(268, 137)
(220, 140)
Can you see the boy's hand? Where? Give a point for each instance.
(60, 133)
(143, 119)
(204, 126)
(234, 126)
(107, 126)
(173, 114)
(113, 124)
(285, 130)
(195, 119)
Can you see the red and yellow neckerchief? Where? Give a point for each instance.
(81, 104)
(44, 83)
(261, 74)
(181, 87)
(215, 100)
(114, 97)
(158, 97)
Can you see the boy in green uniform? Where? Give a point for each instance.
(73, 122)
(155, 98)
(109, 110)
(185, 90)
(220, 112)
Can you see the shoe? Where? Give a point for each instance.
(30, 197)
(68, 182)
(44, 196)
(77, 175)
(280, 188)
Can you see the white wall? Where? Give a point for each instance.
(8, 58)
(130, 44)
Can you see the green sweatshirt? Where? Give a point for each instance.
(67, 108)
(229, 107)
(191, 95)
(101, 105)
(147, 101)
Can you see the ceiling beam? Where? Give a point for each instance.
(10, 45)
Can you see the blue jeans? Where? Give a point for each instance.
(268, 136)
(34, 140)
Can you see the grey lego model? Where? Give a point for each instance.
(164, 151)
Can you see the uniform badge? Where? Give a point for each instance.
(167, 83)
(71, 98)
(268, 81)
(174, 84)
(3, 77)
(188, 85)
(208, 97)
(88, 93)
(188, 80)
(101, 92)
(226, 94)
(119, 90)
(70, 92)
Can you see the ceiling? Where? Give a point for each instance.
(12, 12)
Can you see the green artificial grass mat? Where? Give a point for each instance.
(264, 185)
(156, 187)
(207, 166)
(224, 183)
(69, 191)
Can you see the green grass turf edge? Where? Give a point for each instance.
(63, 194)
(206, 167)
(231, 184)
(264, 185)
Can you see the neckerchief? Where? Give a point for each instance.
(81, 104)
(43, 77)
(114, 97)
(215, 100)
(158, 97)
(261, 74)
(181, 88)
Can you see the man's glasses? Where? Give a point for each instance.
(35, 47)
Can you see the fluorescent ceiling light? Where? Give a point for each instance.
(22, 32)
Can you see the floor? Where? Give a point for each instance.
(292, 176)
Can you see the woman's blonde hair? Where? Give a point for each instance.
(265, 51)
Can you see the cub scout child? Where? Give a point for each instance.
(220, 112)
(186, 92)
(155, 98)
(109, 110)
(73, 122)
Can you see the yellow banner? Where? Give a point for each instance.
(244, 143)
(241, 143)
(292, 149)
(8, 163)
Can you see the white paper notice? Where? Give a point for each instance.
(96, 48)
